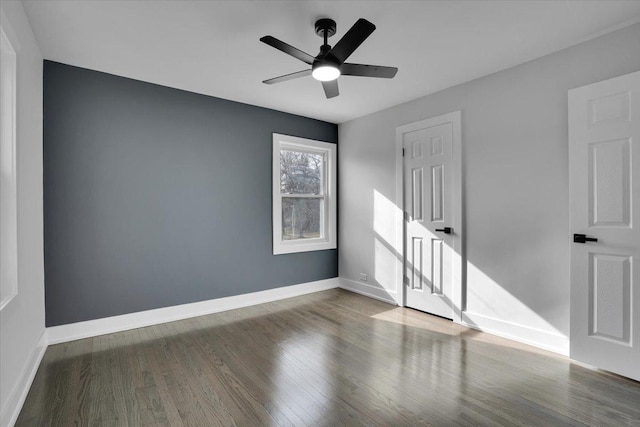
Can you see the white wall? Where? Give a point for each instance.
(515, 187)
(22, 320)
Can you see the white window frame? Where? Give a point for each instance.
(328, 221)
(8, 180)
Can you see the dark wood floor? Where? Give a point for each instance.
(330, 358)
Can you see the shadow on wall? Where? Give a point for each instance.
(483, 292)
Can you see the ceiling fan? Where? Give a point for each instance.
(329, 64)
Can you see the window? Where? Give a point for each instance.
(304, 195)
(8, 200)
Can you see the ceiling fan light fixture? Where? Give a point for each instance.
(330, 63)
(325, 72)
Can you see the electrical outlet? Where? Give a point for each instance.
(363, 277)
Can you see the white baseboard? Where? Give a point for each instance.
(535, 337)
(367, 290)
(19, 393)
(92, 328)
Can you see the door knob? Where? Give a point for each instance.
(582, 238)
(446, 230)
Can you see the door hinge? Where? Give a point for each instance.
(405, 280)
(403, 152)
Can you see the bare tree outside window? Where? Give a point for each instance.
(301, 178)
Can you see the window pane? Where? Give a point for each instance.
(301, 218)
(300, 172)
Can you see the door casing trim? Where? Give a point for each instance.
(458, 291)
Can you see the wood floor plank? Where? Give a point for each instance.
(196, 404)
(324, 359)
(281, 404)
(289, 374)
(410, 389)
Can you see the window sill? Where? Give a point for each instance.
(295, 247)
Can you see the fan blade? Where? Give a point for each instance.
(288, 49)
(354, 38)
(286, 77)
(331, 88)
(368, 70)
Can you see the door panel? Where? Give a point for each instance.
(610, 179)
(609, 297)
(604, 182)
(416, 197)
(428, 206)
(437, 258)
(416, 263)
(437, 190)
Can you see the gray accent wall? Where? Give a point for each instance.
(155, 197)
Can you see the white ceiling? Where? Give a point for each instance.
(213, 48)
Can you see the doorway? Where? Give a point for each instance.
(604, 190)
(428, 170)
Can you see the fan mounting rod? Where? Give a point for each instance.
(325, 28)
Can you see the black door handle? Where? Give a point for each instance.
(582, 238)
(446, 230)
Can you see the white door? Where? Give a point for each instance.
(428, 165)
(604, 185)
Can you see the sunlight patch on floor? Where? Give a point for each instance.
(416, 319)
